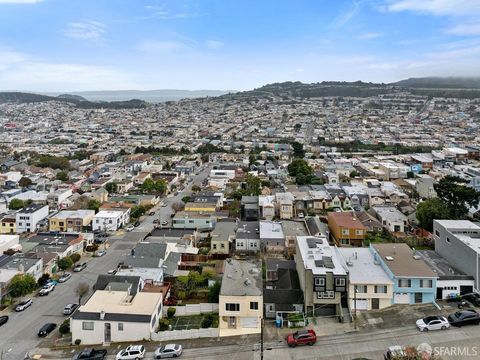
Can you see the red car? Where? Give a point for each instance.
(302, 337)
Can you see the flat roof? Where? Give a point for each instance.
(399, 258)
(318, 256)
(361, 267)
(64, 214)
(441, 266)
(242, 278)
(109, 213)
(271, 230)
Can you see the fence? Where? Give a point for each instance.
(193, 309)
(184, 334)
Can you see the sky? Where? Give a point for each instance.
(77, 45)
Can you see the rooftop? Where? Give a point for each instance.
(362, 268)
(271, 230)
(242, 278)
(346, 220)
(441, 266)
(318, 256)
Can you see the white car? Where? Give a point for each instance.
(168, 351)
(433, 323)
(64, 277)
(130, 228)
(23, 305)
(47, 289)
(164, 223)
(132, 352)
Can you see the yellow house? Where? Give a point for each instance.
(8, 225)
(71, 220)
(241, 298)
(201, 206)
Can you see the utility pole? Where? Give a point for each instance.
(261, 339)
(355, 307)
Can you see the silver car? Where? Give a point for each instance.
(168, 351)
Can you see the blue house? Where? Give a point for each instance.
(413, 280)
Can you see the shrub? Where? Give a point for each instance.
(65, 263)
(22, 285)
(181, 295)
(43, 279)
(91, 248)
(65, 327)
(171, 312)
(78, 341)
(214, 292)
(207, 321)
(163, 324)
(75, 257)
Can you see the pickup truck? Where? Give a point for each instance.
(90, 354)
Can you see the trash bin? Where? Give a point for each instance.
(278, 323)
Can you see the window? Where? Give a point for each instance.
(345, 241)
(87, 325)
(222, 245)
(361, 289)
(339, 282)
(120, 326)
(345, 232)
(448, 240)
(325, 295)
(270, 308)
(214, 246)
(405, 283)
(232, 307)
(359, 232)
(319, 281)
(437, 233)
(380, 289)
(253, 305)
(426, 283)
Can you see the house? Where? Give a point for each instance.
(222, 236)
(111, 220)
(346, 229)
(272, 239)
(60, 244)
(71, 220)
(282, 294)
(201, 206)
(22, 263)
(284, 203)
(247, 237)
(9, 242)
(8, 224)
(6, 275)
(118, 313)
(145, 260)
(369, 288)
(424, 186)
(413, 281)
(241, 298)
(249, 208)
(58, 197)
(193, 220)
(322, 276)
(372, 224)
(391, 218)
(266, 205)
(28, 218)
(458, 241)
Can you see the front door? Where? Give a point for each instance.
(418, 298)
(375, 303)
(108, 332)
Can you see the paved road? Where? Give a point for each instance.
(19, 335)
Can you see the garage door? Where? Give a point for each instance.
(249, 322)
(324, 310)
(465, 289)
(401, 298)
(360, 304)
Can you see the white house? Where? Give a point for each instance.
(27, 219)
(9, 242)
(111, 220)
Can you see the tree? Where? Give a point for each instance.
(302, 172)
(178, 206)
(64, 327)
(137, 211)
(171, 312)
(15, 204)
(196, 188)
(65, 263)
(111, 187)
(234, 208)
(253, 185)
(75, 257)
(93, 205)
(298, 151)
(431, 209)
(458, 197)
(186, 199)
(354, 174)
(62, 175)
(25, 182)
(43, 279)
(22, 285)
(81, 290)
(214, 292)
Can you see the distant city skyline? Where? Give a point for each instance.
(81, 45)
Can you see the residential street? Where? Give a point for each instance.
(19, 335)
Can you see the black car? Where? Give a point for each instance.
(136, 223)
(46, 329)
(464, 317)
(473, 298)
(3, 320)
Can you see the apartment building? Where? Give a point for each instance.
(111, 220)
(71, 220)
(28, 218)
(241, 298)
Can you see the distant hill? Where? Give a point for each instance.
(78, 101)
(152, 96)
(441, 83)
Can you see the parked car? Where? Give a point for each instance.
(151, 213)
(46, 329)
(90, 354)
(395, 352)
(164, 223)
(433, 323)
(64, 277)
(168, 351)
(112, 272)
(156, 221)
(136, 223)
(79, 267)
(70, 309)
(302, 337)
(3, 320)
(464, 317)
(100, 253)
(132, 352)
(47, 289)
(300, 215)
(473, 298)
(130, 228)
(164, 205)
(24, 304)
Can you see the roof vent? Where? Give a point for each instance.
(417, 257)
(389, 258)
(247, 282)
(102, 315)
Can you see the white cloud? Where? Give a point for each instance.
(163, 46)
(20, 1)
(347, 15)
(214, 44)
(87, 30)
(464, 29)
(369, 36)
(436, 7)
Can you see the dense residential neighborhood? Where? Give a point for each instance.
(236, 218)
